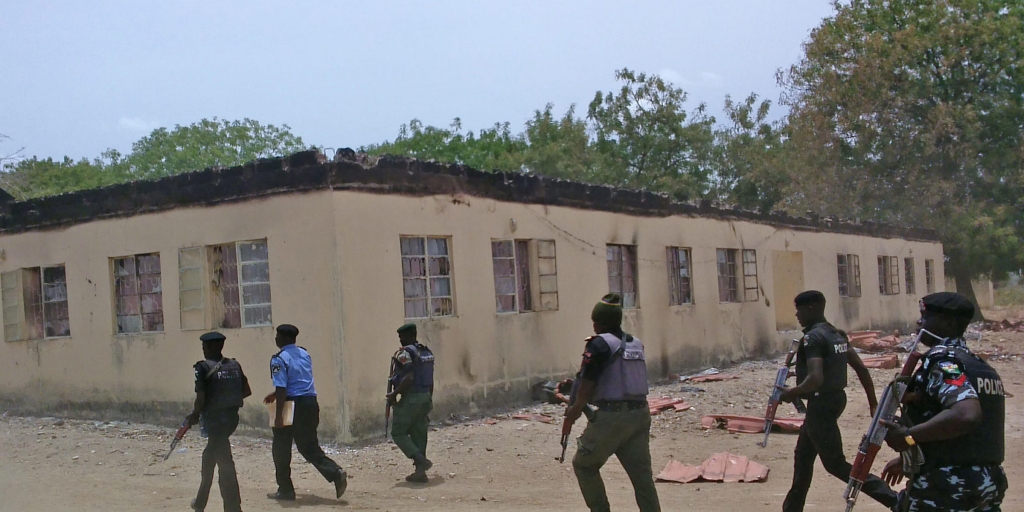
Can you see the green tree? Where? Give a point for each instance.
(647, 139)
(750, 170)
(495, 148)
(34, 177)
(208, 143)
(560, 147)
(910, 112)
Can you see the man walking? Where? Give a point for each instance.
(413, 380)
(957, 407)
(220, 387)
(291, 369)
(613, 376)
(821, 364)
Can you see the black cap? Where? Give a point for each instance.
(948, 303)
(212, 336)
(809, 297)
(288, 330)
(409, 327)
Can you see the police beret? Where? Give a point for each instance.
(809, 297)
(287, 330)
(948, 303)
(409, 327)
(212, 336)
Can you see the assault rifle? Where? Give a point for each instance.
(887, 408)
(588, 411)
(387, 402)
(182, 430)
(775, 398)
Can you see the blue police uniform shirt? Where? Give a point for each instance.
(292, 369)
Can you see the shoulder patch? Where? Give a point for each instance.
(403, 357)
(275, 368)
(951, 373)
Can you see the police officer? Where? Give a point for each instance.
(413, 379)
(220, 387)
(613, 376)
(821, 364)
(291, 369)
(955, 403)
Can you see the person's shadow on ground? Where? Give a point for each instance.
(433, 481)
(311, 500)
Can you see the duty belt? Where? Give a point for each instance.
(620, 405)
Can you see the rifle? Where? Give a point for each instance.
(387, 403)
(892, 397)
(588, 411)
(182, 430)
(776, 396)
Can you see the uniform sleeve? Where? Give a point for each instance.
(595, 355)
(815, 346)
(403, 358)
(200, 369)
(946, 382)
(278, 372)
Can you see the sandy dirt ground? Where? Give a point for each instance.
(53, 464)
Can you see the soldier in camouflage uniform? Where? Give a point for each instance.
(955, 403)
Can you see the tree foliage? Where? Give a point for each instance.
(207, 143)
(910, 112)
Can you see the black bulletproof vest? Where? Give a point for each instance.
(223, 386)
(984, 446)
(833, 357)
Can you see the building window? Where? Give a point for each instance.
(511, 261)
(727, 285)
(929, 275)
(426, 277)
(547, 274)
(622, 273)
(750, 288)
(138, 294)
(908, 269)
(849, 275)
(238, 286)
(679, 283)
(35, 303)
(888, 275)
(191, 296)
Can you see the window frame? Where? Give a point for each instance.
(680, 293)
(908, 276)
(929, 275)
(427, 278)
(848, 267)
(627, 259)
(28, 309)
(728, 290)
(137, 277)
(747, 273)
(243, 305)
(888, 275)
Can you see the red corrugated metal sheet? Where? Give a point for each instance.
(720, 467)
(749, 424)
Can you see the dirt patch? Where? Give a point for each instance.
(497, 463)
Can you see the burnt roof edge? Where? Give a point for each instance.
(308, 171)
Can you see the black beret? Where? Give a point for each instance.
(212, 336)
(809, 297)
(287, 330)
(409, 327)
(948, 303)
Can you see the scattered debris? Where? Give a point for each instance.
(543, 418)
(691, 389)
(1015, 325)
(709, 371)
(659, 404)
(885, 362)
(872, 341)
(720, 467)
(748, 424)
(713, 378)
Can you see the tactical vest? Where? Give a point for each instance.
(625, 375)
(224, 386)
(983, 446)
(422, 368)
(834, 360)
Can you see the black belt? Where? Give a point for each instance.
(620, 405)
(307, 399)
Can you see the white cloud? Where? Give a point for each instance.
(136, 124)
(708, 76)
(673, 76)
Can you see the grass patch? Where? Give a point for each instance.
(1010, 296)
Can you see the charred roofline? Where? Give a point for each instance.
(309, 171)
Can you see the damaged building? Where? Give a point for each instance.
(106, 291)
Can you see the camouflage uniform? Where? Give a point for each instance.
(940, 486)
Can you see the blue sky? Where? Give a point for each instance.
(79, 77)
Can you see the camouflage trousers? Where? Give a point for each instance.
(955, 489)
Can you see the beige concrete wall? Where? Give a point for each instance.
(484, 358)
(984, 291)
(150, 375)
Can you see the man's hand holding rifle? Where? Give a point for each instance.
(776, 396)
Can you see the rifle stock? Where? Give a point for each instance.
(888, 406)
(178, 435)
(776, 397)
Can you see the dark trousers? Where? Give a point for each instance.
(820, 437)
(303, 432)
(220, 425)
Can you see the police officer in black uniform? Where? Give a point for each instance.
(291, 370)
(956, 406)
(220, 387)
(821, 364)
